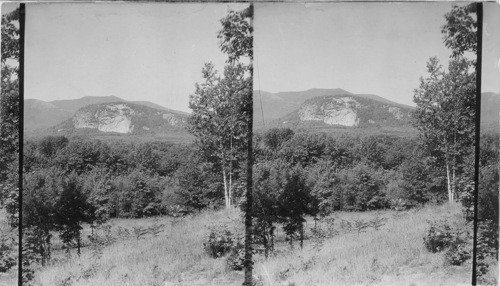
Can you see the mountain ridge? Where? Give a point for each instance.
(123, 119)
(41, 114)
(333, 113)
(277, 105)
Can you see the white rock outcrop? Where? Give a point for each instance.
(396, 111)
(336, 111)
(172, 119)
(112, 118)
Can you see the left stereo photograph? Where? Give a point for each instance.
(136, 128)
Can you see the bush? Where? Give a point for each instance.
(7, 256)
(439, 236)
(8, 249)
(458, 254)
(236, 259)
(456, 239)
(487, 246)
(220, 242)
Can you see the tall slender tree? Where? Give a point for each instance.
(9, 108)
(222, 115)
(445, 113)
(219, 121)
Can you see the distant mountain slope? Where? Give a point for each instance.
(277, 105)
(72, 105)
(39, 114)
(348, 111)
(122, 118)
(490, 109)
(157, 106)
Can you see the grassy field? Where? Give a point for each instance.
(9, 278)
(173, 257)
(392, 255)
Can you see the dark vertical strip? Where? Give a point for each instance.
(249, 191)
(479, 59)
(22, 18)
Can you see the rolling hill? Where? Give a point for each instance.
(72, 105)
(276, 105)
(106, 117)
(330, 110)
(122, 119)
(40, 114)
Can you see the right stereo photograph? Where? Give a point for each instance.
(365, 126)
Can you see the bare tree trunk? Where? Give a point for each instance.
(271, 233)
(42, 250)
(230, 189)
(448, 177)
(453, 185)
(302, 236)
(265, 243)
(48, 246)
(226, 194)
(78, 243)
(453, 168)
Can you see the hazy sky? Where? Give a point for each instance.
(136, 51)
(377, 48)
(490, 75)
(155, 51)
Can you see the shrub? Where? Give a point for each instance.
(377, 222)
(438, 237)
(7, 262)
(220, 242)
(456, 239)
(99, 241)
(458, 254)
(236, 259)
(318, 232)
(7, 257)
(487, 246)
(360, 225)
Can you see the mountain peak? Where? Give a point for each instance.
(333, 91)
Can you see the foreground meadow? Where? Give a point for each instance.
(392, 254)
(174, 256)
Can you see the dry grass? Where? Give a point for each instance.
(175, 255)
(392, 255)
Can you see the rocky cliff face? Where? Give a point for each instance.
(396, 111)
(110, 118)
(173, 120)
(347, 111)
(125, 118)
(337, 111)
